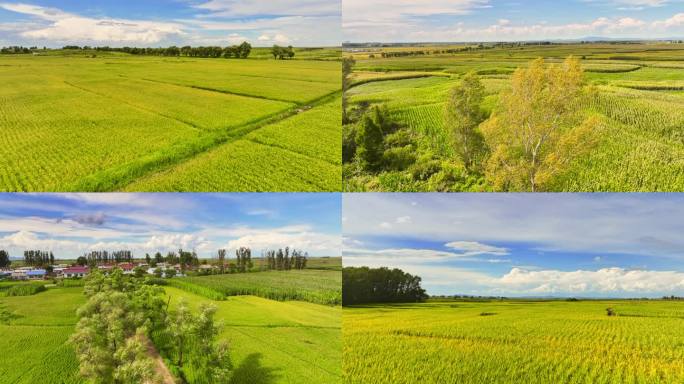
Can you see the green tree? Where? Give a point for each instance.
(347, 68)
(462, 116)
(4, 259)
(369, 142)
(538, 128)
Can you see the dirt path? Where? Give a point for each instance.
(160, 367)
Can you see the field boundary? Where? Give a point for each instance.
(120, 176)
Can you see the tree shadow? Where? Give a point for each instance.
(250, 371)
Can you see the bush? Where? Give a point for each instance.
(398, 159)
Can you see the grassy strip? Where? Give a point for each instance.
(117, 177)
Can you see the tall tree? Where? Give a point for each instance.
(347, 68)
(369, 142)
(4, 259)
(462, 117)
(538, 128)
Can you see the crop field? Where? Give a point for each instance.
(315, 286)
(638, 97)
(34, 331)
(277, 342)
(115, 122)
(515, 342)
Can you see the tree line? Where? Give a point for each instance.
(36, 258)
(241, 51)
(362, 285)
(122, 316)
(286, 260)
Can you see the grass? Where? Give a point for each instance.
(315, 286)
(34, 337)
(514, 342)
(21, 288)
(109, 123)
(639, 102)
(276, 342)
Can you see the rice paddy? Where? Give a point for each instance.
(114, 122)
(637, 98)
(515, 341)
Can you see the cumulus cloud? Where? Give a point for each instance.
(66, 27)
(217, 22)
(607, 281)
(613, 224)
(299, 237)
(410, 20)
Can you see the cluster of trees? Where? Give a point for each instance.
(673, 297)
(15, 50)
(285, 260)
(533, 135)
(94, 258)
(243, 259)
(241, 51)
(121, 317)
(380, 285)
(5, 261)
(282, 53)
(35, 258)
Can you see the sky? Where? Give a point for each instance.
(153, 23)
(509, 20)
(72, 224)
(565, 245)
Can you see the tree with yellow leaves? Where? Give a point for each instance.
(538, 129)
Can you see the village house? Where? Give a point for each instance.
(36, 274)
(72, 272)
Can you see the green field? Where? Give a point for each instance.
(638, 98)
(277, 342)
(119, 122)
(315, 286)
(271, 341)
(33, 337)
(515, 342)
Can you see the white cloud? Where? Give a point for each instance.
(392, 256)
(606, 281)
(611, 224)
(69, 28)
(675, 21)
(473, 248)
(410, 21)
(242, 8)
(403, 220)
(300, 22)
(299, 237)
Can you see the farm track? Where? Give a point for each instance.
(119, 177)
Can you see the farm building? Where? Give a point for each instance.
(19, 274)
(75, 272)
(36, 274)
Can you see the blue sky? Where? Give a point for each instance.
(509, 20)
(589, 245)
(170, 22)
(71, 224)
